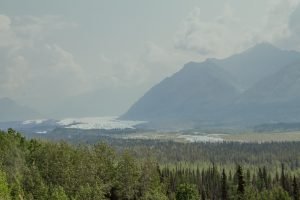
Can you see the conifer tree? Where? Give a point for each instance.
(224, 186)
(241, 182)
(265, 178)
(295, 189)
(283, 178)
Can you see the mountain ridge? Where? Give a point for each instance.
(257, 62)
(217, 91)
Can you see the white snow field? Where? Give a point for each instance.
(36, 121)
(201, 138)
(98, 123)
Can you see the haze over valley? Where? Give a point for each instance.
(60, 63)
(257, 86)
(150, 100)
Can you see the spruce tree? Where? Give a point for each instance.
(241, 182)
(224, 186)
(283, 178)
(295, 189)
(265, 178)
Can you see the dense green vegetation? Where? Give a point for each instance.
(126, 169)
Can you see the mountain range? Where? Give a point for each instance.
(259, 85)
(11, 111)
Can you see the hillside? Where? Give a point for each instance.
(11, 111)
(197, 88)
(257, 63)
(259, 85)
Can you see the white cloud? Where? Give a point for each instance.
(32, 69)
(35, 69)
(276, 22)
(37, 28)
(292, 39)
(14, 74)
(56, 73)
(228, 33)
(7, 36)
(218, 37)
(4, 23)
(131, 71)
(40, 73)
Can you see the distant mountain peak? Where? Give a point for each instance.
(254, 86)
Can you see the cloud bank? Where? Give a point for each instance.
(227, 33)
(30, 67)
(41, 72)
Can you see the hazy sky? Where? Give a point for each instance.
(52, 52)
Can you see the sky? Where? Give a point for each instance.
(97, 57)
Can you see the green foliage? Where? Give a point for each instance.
(250, 193)
(4, 190)
(33, 184)
(295, 189)
(279, 194)
(34, 169)
(187, 192)
(241, 182)
(127, 177)
(88, 192)
(104, 162)
(58, 193)
(224, 195)
(150, 187)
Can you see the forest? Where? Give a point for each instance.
(148, 169)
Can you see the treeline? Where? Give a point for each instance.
(270, 154)
(215, 184)
(35, 169)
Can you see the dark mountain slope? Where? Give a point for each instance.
(274, 99)
(257, 63)
(192, 92)
(280, 87)
(11, 111)
(260, 85)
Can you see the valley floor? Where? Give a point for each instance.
(217, 137)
